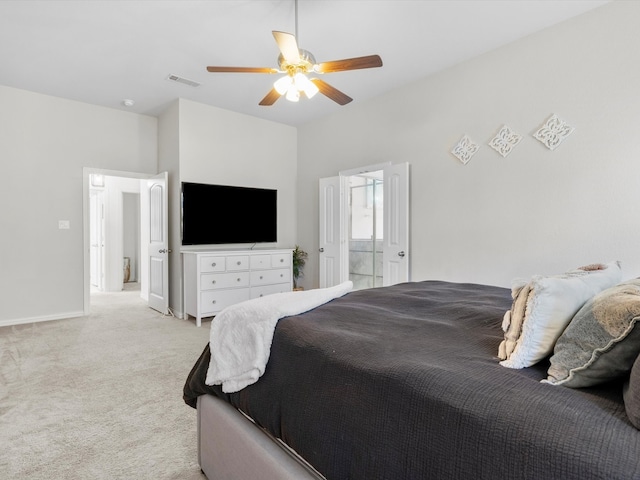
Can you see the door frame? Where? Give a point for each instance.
(86, 173)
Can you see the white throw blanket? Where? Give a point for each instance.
(241, 335)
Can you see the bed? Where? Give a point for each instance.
(404, 382)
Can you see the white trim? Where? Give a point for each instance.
(116, 173)
(45, 318)
(361, 170)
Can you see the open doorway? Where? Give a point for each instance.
(114, 230)
(364, 226)
(115, 242)
(366, 210)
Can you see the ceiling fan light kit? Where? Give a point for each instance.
(283, 84)
(303, 84)
(292, 95)
(297, 64)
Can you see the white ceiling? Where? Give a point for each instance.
(104, 51)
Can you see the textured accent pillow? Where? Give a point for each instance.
(600, 343)
(631, 393)
(549, 305)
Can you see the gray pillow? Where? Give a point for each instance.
(631, 393)
(600, 343)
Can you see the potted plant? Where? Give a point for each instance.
(299, 259)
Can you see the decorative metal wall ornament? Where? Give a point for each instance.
(553, 132)
(505, 141)
(465, 149)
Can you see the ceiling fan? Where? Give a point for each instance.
(297, 64)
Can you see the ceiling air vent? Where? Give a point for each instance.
(186, 81)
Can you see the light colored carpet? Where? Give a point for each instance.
(99, 397)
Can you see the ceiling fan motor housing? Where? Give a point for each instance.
(306, 63)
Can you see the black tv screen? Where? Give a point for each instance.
(219, 214)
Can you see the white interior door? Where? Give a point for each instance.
(158, 252)
(331, 242)
(395, 250)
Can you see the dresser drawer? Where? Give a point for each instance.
(276, 260)
(281, 260)
(210, 281)
(212, 301)
(270, 289)
(267, 277)
(237, 262)
(212, 264)
(260, 261)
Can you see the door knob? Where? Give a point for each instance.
(401, 254)
(321, 250)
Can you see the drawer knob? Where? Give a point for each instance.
(213, 281)
(238, 263)
(260, 277)
(213, 264)
(213, 301)
(238, 280)
(261, 295)
(281, 275)
(281, 260)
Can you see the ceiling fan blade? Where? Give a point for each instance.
(270, 98)
(370, 61)
(241, 70)
(288, 46)
(331, 92)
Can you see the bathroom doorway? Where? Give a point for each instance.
(364, 226)
(365, 237)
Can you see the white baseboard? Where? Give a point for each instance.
(46, 318)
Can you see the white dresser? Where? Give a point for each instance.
(216, 279)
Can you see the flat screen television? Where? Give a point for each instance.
(224, 214)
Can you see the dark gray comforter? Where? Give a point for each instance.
(403, 382)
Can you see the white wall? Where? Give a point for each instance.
(222, 147)
(228, 148)
(536, 211)
(44, 144)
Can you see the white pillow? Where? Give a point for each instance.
(551, 303)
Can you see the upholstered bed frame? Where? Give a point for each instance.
(232, 447)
